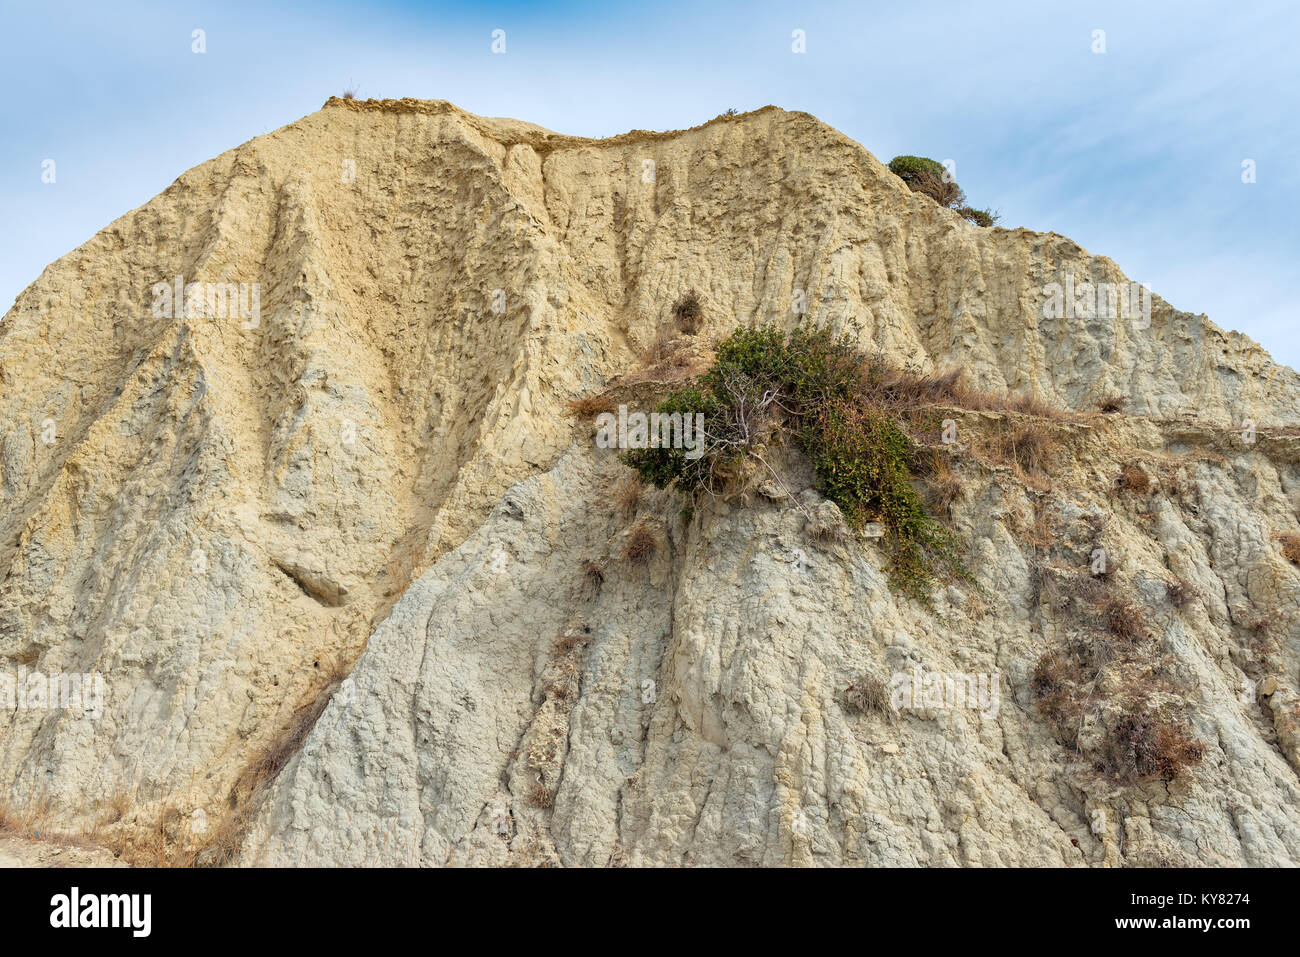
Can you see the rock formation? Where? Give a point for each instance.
(355, 579)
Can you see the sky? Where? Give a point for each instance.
(1134, 150)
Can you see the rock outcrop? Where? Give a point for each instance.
(369, 471)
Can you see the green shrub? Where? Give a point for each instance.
(924, 175)
(864, 465)
(662, 467)
(980, 217)
(824, 392)
(909, 168)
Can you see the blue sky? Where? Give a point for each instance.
(1136, 153)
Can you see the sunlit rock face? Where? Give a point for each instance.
(330, 471)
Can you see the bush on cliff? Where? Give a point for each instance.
(930, 177)
(828, 396)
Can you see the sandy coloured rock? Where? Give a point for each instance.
(377, 477)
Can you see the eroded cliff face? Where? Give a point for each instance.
(692, 710)
(375, 476)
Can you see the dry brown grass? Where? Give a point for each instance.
(689, 312)
(1031, 405)
(1032, 448)
(221, 845)
(115, 806)
(1028, 447)
(589, 406)
(1133, 479)
(593, 574)
(902, 388)
(1124, 620)
(667, 361)
(1032, 525)
(1112, 404)
(557, 690)
(164, 840)
(162, 833)
(26, 819)
(663, 353)
(1053, 687)
(1179, 592)
(1103, 676)
(946, 488)
(1092, 591)
(640, 545)
(32, 820)
(868, 694)
(1147, 745)
(1044, 532)
(891, 387)
(627, 497)
(1290, 542)
(267, 765)
(167, 839)
(541, 796)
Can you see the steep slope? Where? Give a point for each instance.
(216, 513)
(692, 711)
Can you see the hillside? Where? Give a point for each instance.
(332, 555)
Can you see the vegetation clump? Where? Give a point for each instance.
(836, 403)
(1113, 679)
(980, 217)
(1290, 542)
(1133, 479)
(914, 170)
(1148, 745)
(640, 545)
(588, 406)
(688, 311)
(1179, 592)
(593, 574)
(927, 176)
(1029, 447)
(868, 694)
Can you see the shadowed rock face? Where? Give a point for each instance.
(211, 510)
